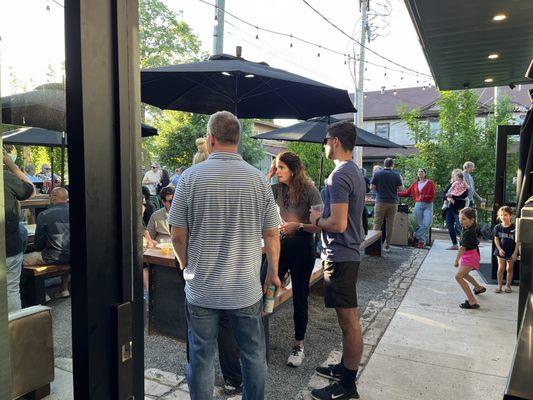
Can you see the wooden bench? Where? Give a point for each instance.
(33, 289)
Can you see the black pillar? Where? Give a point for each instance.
(103, 122)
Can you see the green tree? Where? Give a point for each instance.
(164, 38)
(459, 139)
(311, 155)
(178, 131)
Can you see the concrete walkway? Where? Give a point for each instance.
(432, 349)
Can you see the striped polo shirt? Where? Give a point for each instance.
(225, 203)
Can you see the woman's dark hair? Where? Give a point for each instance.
(146, 193)
(164, 174)
(425, 173)
(469, 213)
(300, 181)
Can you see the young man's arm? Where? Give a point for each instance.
(337, 222)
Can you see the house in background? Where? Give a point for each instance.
(381, 115)
(271, 147)
(381, 118)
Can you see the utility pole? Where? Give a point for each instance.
(364, 6)
(218, 30)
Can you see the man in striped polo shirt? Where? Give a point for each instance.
(222, 208)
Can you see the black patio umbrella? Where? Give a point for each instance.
(314, 131)
(248, 89)
(43, 107)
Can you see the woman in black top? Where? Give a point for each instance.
(294, 195)
(148, 207)
(164, 182)
(451, 213)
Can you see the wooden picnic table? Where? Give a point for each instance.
(39, 201)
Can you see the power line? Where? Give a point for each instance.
(346, 55)
(59, 4)
(367, 48)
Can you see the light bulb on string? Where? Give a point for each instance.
(401, 77)
(344, 55)
(417, 80)
(291, 41)
(385, 72)
(318, 55)
(366, 69)
(256, 32)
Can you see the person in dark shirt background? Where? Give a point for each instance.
(17, 186)
(52, 237)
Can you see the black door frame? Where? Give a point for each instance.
(103, 120)
(503, 132)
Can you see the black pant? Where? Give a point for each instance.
(298, 257)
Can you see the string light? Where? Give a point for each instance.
(292, 38)
(256, 32)
(319, 47)
(385, 72)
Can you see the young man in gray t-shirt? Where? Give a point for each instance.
(340, 221)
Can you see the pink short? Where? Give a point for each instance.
(470, 258)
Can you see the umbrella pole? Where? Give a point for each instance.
(52, 167)
(320, 176)
(62, 159)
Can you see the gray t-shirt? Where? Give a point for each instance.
(471, 187)
(387, 182)
(345, 185)
(300, 212)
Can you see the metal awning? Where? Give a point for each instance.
(458, 36)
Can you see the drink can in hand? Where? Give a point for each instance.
(268, 305)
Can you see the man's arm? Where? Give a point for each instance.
(373, 187)
(337, 222)
(11, 166)
(272, 250)
(39, 241)
(180, 241)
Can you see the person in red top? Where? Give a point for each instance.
(422, 191)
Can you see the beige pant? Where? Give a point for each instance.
(385, 212)
(34, 258)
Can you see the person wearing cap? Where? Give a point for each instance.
(152, 178)
(46, 174)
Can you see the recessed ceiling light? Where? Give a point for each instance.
(489, 80)
(249, 76)
(226, 73)
(493, 56)
(499, 17)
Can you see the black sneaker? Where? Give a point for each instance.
(332, 372)
(231, 389)
(335, 392)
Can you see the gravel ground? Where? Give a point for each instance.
(323, 334)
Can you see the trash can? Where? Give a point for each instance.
(400, 233)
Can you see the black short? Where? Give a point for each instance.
(340, 281)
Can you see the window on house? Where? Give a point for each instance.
(382, 130)
(434, 127)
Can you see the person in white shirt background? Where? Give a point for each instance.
(152, 178)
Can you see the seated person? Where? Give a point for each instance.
(52, 237)
(158, 225)
(30, 173)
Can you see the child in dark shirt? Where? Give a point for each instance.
(506, 247)
(468, 258)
